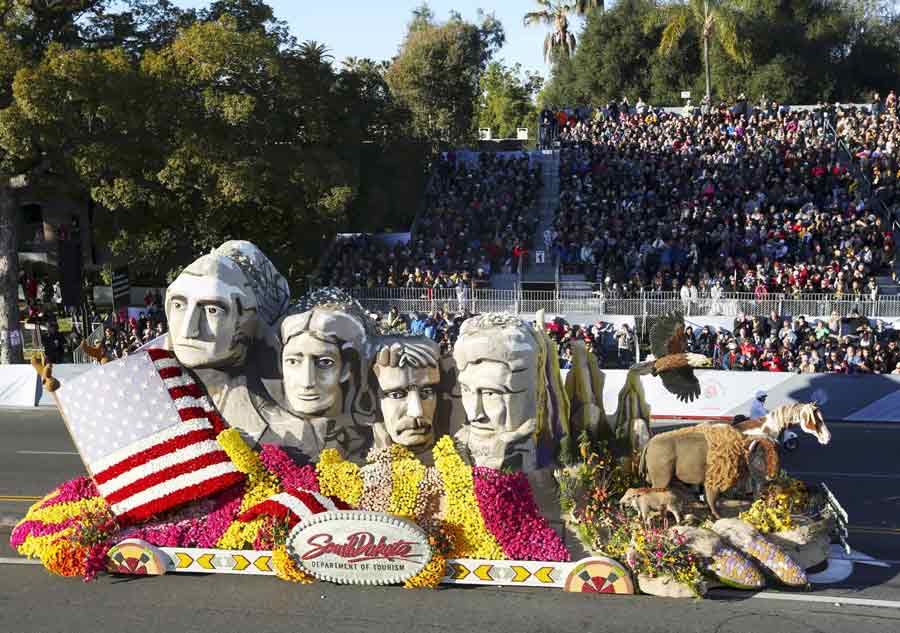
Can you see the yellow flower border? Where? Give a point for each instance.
(338, 477)
(430, 576)
(261, 484)
(40, 546)
(407, 474)
(287, 569)
(471, 539)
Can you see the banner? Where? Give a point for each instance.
(18, 386)
(725, 394)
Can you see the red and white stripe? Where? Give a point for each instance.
(293, 506)
(181, 463)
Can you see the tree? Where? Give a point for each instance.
(438, 72)
(140, 25)
(559, 42)
(584, 7)
(712, 19)
(315, 53)
(28, 30)
(422, 18)
(615, 57)
(251, 15)
(507, 99)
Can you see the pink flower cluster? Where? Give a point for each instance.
(512, 516)
(200, 529)
(73, 490)
(291, 475)
(96, 559)
(37, 528)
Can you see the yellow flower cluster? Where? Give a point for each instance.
(38, 546)
(339, 478)
(430, 576)
(407, 473)
(261, 484)
(463, 518)
(287, 569)
(772, 512)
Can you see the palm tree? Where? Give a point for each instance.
(559, 41)
(315, 52)
(583, 7)
(712, 18)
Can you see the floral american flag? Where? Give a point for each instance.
(293, 506)
(147, 434)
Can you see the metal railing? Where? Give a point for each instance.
(583, 301)
(78, 356)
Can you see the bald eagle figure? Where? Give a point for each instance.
(673, 363)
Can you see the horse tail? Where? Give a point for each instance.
(642, 463)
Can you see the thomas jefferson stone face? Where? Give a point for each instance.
(313, 372)
(408, 403)
(212, 318)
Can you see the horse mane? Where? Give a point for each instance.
(789, 414)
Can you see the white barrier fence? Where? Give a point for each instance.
(581, 301)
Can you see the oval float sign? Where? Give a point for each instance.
(359, 548)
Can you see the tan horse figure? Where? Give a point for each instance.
(807, 416)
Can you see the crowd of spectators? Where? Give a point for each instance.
(479, 219)
(744, 199)
(800, 345)
(611, 345)
(126, 336)
(441, 326)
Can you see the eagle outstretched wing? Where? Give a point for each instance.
(682, 382)
(667, 335)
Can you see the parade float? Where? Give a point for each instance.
(295, 439)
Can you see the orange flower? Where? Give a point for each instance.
(65, 558)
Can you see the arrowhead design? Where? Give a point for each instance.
(522, 574)
(461, 572)
(183, 560)
(544, 574)
(262, 563)
(483, 572)
(205, 561)
(240, 562)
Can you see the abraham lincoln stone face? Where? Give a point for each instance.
(497, 357)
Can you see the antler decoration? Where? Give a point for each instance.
(94, 352)
(45, 371)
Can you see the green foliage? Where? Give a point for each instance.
(560, 41)
(507, 99)
(798, 52)
(228, 129)
(438, 72)
(566, 454)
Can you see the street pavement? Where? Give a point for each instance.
(860, 466)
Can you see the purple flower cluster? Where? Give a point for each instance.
(203, 529)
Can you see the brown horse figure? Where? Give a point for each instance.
(808, 416)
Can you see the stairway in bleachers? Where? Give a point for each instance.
(504, 281)
(549, 201)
